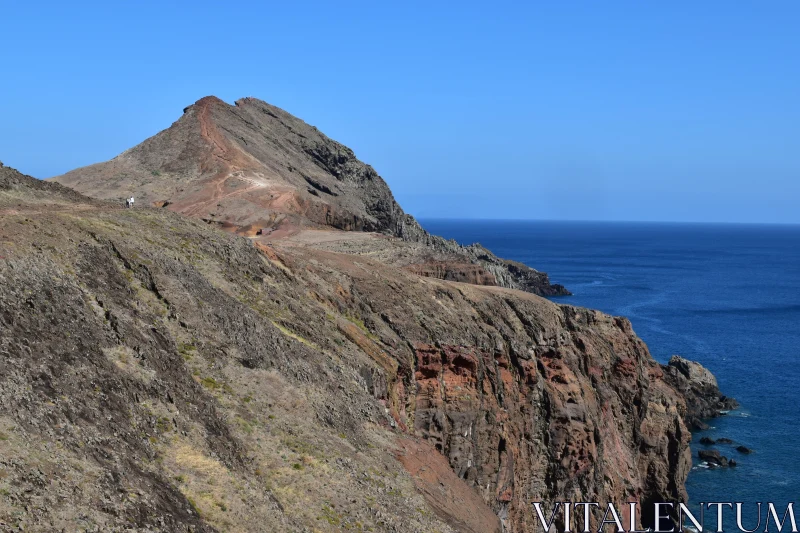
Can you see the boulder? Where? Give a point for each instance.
(713, 457)
(696, 424)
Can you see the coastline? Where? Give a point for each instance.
(723, 295)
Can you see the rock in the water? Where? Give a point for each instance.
(724, 440)
(713, 457)
(744, 449)
(699, 386)
(707, 441)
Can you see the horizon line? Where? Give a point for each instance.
(596, 221)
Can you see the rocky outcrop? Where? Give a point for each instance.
(183, 378)
(713, 458)
(510, 274)
(254, 165)
(528, 279)
(699, 386)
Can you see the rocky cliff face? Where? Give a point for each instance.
(157, 373)
(255, 169)
(528, 401)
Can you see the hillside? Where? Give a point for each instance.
(160, 374)
(256, 170)
(19, 192)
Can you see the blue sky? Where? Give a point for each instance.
(675, 111)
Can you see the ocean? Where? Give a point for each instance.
(725, 295)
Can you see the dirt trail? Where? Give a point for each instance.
(224, 154)
(196, 207)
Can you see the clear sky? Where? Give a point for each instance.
(673, 110)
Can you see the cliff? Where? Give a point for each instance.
(158, 373)
(255, 169)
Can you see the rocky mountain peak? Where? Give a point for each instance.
(206, 101)
(244, 165)
(257, 170)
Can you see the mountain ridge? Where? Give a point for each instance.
(255, 169)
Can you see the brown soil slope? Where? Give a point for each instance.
(158, 374)
(255, 169)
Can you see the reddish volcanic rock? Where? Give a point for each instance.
(453, 499)
(527, 400)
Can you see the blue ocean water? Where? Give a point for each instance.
(725, 295)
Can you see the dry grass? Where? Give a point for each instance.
(196, 462)
(224, 499)
(125, 360)
(289, 333)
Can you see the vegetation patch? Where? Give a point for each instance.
(209, 383)
(330, 516)
(289, 333)
(187, 350)
(359, 323)
(247, 426)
